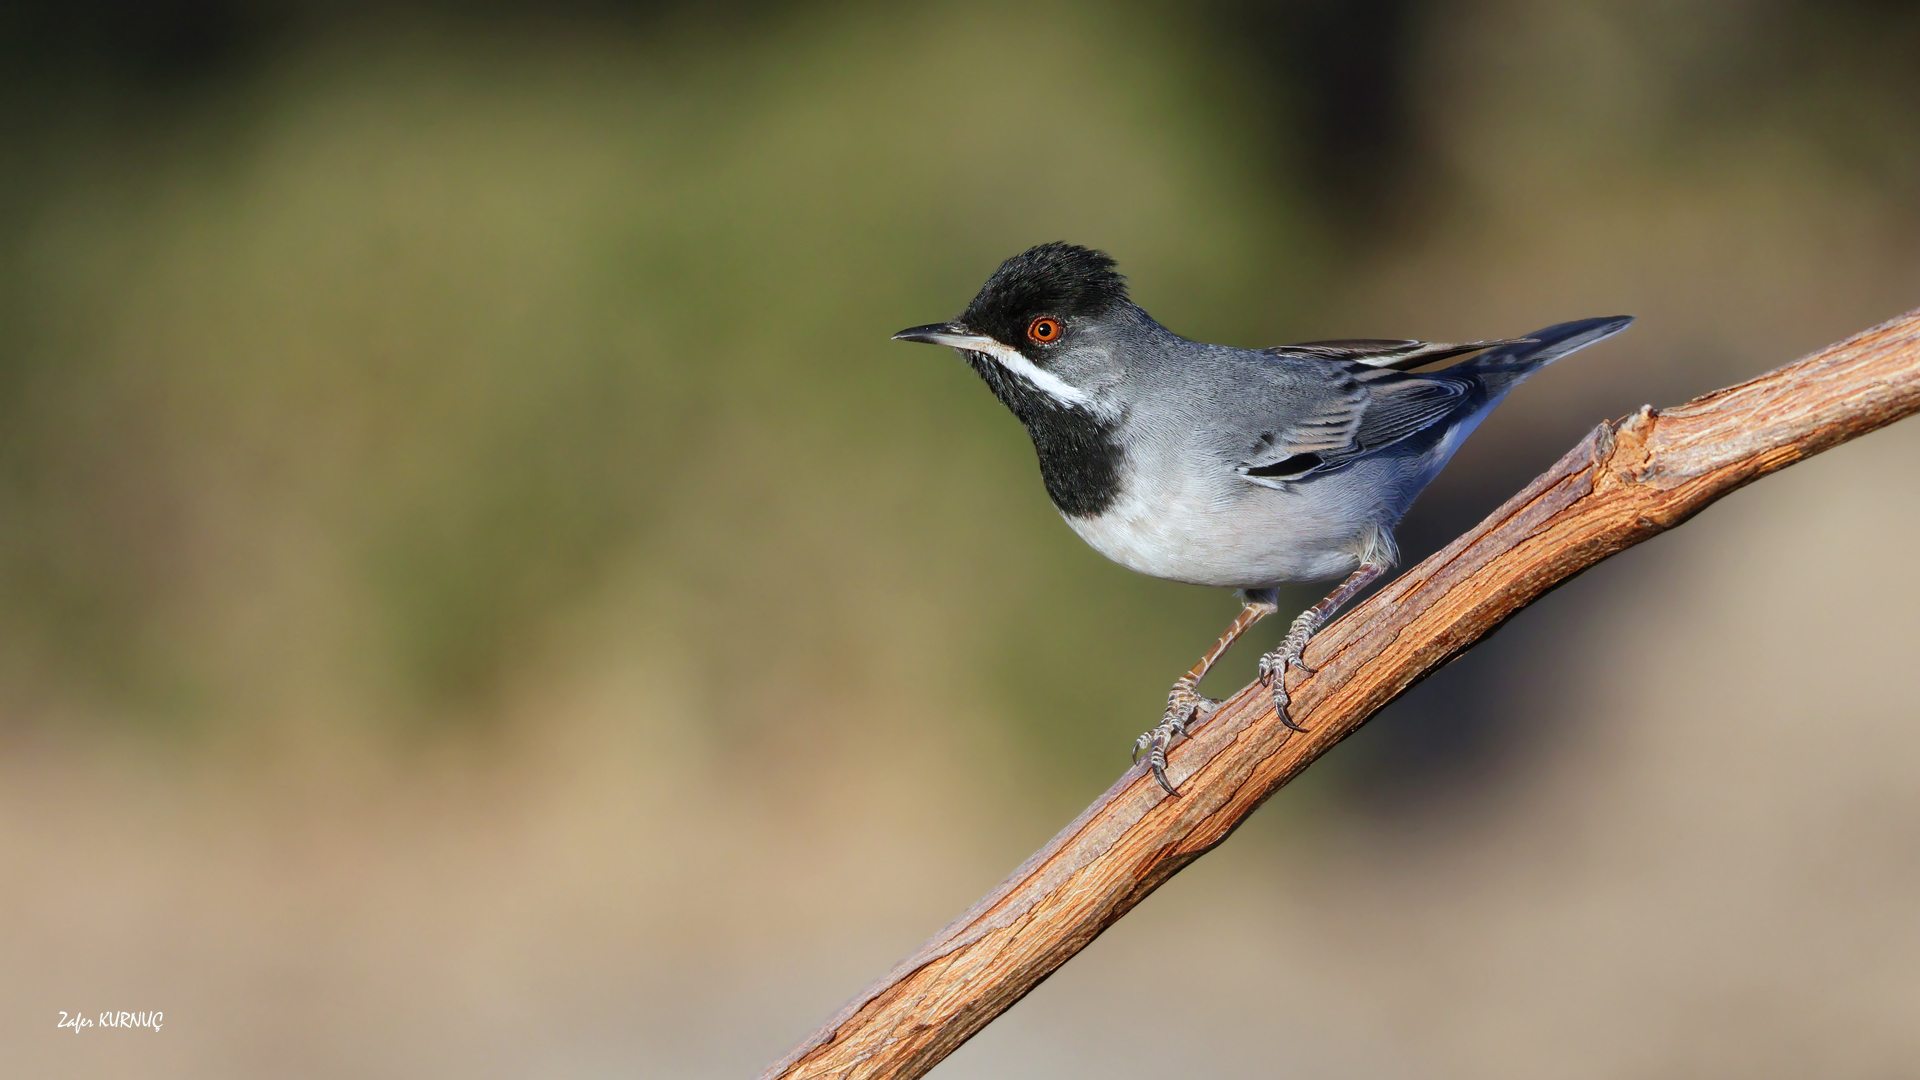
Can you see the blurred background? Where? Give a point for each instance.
(481, 596)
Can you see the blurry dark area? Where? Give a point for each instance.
(1335, 81)
(136, 48)
(1332, 80)
(480, 593)
(1336, 86)
(151, 50)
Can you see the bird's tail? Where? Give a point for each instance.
(1501, 369)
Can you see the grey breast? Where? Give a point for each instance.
(1196, 415)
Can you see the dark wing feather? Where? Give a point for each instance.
(1363, 410)
(1400, 407)
(1397, 353)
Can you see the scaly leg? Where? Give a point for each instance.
(1293, 647)
(1185, 704)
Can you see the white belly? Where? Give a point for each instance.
(1250, 538)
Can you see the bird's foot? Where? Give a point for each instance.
(1186, 706)
(1273, 671)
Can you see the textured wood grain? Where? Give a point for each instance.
(1623, 483)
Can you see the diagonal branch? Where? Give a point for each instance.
(1625, 482)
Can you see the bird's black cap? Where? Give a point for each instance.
(1058, 279)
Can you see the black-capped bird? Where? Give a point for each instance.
(1209, 464)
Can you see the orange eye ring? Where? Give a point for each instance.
(1045, 329)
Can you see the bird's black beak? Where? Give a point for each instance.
(946, 333)
(930, 333)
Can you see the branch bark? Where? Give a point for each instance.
(1625, 482)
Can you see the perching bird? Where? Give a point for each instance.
(1246, 468)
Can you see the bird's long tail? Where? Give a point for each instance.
(1501, 369)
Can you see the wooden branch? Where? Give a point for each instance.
(1625, 482)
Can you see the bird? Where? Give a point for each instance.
(1214, 465)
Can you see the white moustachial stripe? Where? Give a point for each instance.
(1045, 381)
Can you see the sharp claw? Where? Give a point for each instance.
(1281, 703)
(1160, 774)
(1300, 661)
(1186, 707)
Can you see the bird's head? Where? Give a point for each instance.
(1048, 329)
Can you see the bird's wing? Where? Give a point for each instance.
(1401, 354)
(1399, 407)
(1356, 411)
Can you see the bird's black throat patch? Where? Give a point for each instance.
(1079, 453)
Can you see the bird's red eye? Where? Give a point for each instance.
(1044, 329)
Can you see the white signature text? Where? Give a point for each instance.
(110, 1019)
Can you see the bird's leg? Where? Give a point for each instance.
(1293, 647)
(1185, 704)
